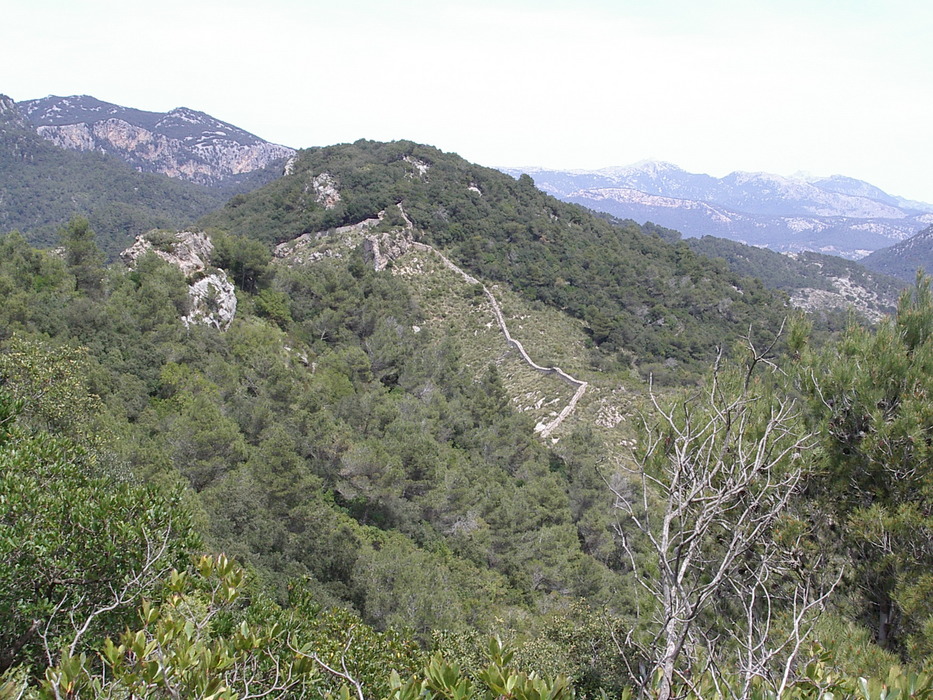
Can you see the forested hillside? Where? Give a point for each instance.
(904, 259)
(43, 186)
(646, 302)
(348, 460)
(380, 496)
(816, 282)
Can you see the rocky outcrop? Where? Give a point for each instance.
(211, 294)
(333, 243)
(213, 301)
(847, 296)
(325, 190)
(190, 251)
(381, 249)
(418, 166)
(10, 114)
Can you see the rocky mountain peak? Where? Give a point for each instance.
(651, 168)
(841, 184)
(187, 114)
(183, 143)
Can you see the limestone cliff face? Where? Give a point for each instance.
(211, 294)
(183, 143)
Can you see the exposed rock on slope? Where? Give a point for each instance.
(183, 143)
(847, 295)
(325, 190)
(334, 243)
(10, 114)
(813, 281)
(212, 295)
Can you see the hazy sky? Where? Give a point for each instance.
(824, 86)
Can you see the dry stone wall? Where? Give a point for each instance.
(543, 429)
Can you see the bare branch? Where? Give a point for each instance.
(715, 472)
(344, 674)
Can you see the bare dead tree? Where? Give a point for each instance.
(343, 674)
(714, 474)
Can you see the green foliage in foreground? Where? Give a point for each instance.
(338, 453)
(373, 485)
(872, 403)
(199, 640)
(78, 545)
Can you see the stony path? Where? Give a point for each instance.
(543, 429)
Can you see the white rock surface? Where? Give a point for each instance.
(213, 302)
(212, 295)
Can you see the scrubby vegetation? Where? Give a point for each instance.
(384, 511)
(645, 301)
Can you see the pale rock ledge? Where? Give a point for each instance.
(212, 295)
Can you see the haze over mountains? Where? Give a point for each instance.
(78, 154)
(836, 215)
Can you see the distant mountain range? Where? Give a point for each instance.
(836, 215)
(130, 171)
(183, 143)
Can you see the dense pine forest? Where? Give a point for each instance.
(329, 496)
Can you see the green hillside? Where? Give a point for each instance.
(645, 302)
(870, 292)
(361, 445)
(325, 440)
(904, 259)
